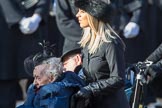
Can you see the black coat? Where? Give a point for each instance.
(152, 90)
(135, 47)
(19, 11)
(67, 22)
(105, 74)
(151, 24)
(14, 45)
(123, 14)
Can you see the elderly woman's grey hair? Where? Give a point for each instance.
(55, 67)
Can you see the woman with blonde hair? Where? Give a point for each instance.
(103, 57)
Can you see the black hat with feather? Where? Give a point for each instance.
(96, 8)
(35, 59)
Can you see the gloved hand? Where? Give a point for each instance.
(148, 62)
(84, 93)
(152, 70)
(79, 102)
(131, 30)
(83, 98)
(29, 25)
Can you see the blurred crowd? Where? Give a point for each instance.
(25, 23)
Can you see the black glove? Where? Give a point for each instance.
(84, 92)
(141, 66)
(152, 70)
(78, 102)
(83, 98)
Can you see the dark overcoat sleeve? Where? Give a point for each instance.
(136, 14)
(156, 55)
(42, 7)
(66, 20)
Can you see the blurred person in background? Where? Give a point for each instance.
(54, 35)
(154, 75)
(152, 23)
(67, 22)
(21, 26)
(127, 23)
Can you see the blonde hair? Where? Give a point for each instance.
(97, 33)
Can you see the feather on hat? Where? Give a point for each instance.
(97, 8)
